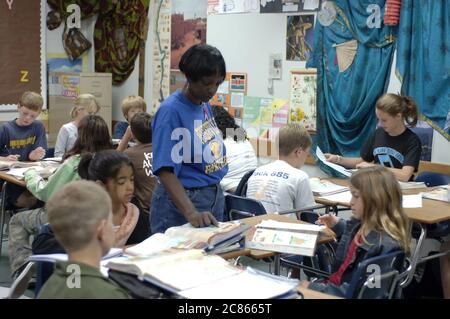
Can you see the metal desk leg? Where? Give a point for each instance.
(414, 257)
(276, 261)
(2, 214)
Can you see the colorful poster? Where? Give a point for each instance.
(188, 27)
(280, 113)
(303, 98)
(161, 53)
(299, 37)
(257, 119)
(213, 7)
(238, 82)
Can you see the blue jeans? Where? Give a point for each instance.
(164, 213)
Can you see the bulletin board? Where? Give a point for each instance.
(231, 94)
(22, 57)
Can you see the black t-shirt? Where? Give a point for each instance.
(393, 151)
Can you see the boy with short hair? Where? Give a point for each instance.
(141, 155)
(23, 139)
(81, 219)
(130, 106)
(281, 185)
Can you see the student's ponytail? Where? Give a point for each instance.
(410, 111)
(394, 104)
(83, 166)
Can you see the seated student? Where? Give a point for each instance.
(393, 145)
(80, 216)
(141, 156)
(241, 156)
(93, 136)
(281, 185)
(378, 226)
(130, 106)
(23, 139)
(115, 172)
(85, 104)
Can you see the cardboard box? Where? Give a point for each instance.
(65, 87)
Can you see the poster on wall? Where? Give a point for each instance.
(299, 37)
(188, 27)
(22, 53)
(303, 92)
(161, 52)
(279, 6)
(231, 94)
(252, 115)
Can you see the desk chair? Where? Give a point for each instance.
(241, 189)
(238, 207)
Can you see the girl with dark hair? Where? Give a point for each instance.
(93, 136)
(115, 172)
(188, 152)
(241, 156)
(393, 144)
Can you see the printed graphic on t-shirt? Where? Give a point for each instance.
(22, 143)
(386, 154)
(147, 164)
(208, 132)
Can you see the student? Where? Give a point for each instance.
(141, 156)
(378, 226)
(393, 145)
(85, 104)
(93, 136)
(188, 152)
(80, 217)
(130, 106)
(241, 157)
(115, 172)
(281, 185)
(23, 139)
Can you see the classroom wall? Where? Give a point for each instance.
(247, 40)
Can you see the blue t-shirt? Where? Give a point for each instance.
(119, 129)
(187, 139)
(21, 140)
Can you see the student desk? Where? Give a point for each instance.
(312, 294)
(7, 179)
(431, 212)
(326, 237)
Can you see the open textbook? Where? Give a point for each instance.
(291, 238)
(193, 274)
(5, 165)
(441, 193)
(321, 187)
(187, 236)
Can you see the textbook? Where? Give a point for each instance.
(176, 269)
(193, 274)
(441, 193)
(5, 165)
(323, 187)
(189, 237)
(290, 238)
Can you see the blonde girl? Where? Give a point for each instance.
(85, 104)
(378, 226)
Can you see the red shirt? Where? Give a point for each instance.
(336, 277)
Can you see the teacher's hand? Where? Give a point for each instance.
(202, 219)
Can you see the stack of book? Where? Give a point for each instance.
(213, 239)
(323, 187)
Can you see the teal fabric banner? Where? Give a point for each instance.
(346, 99)
(423, 59)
